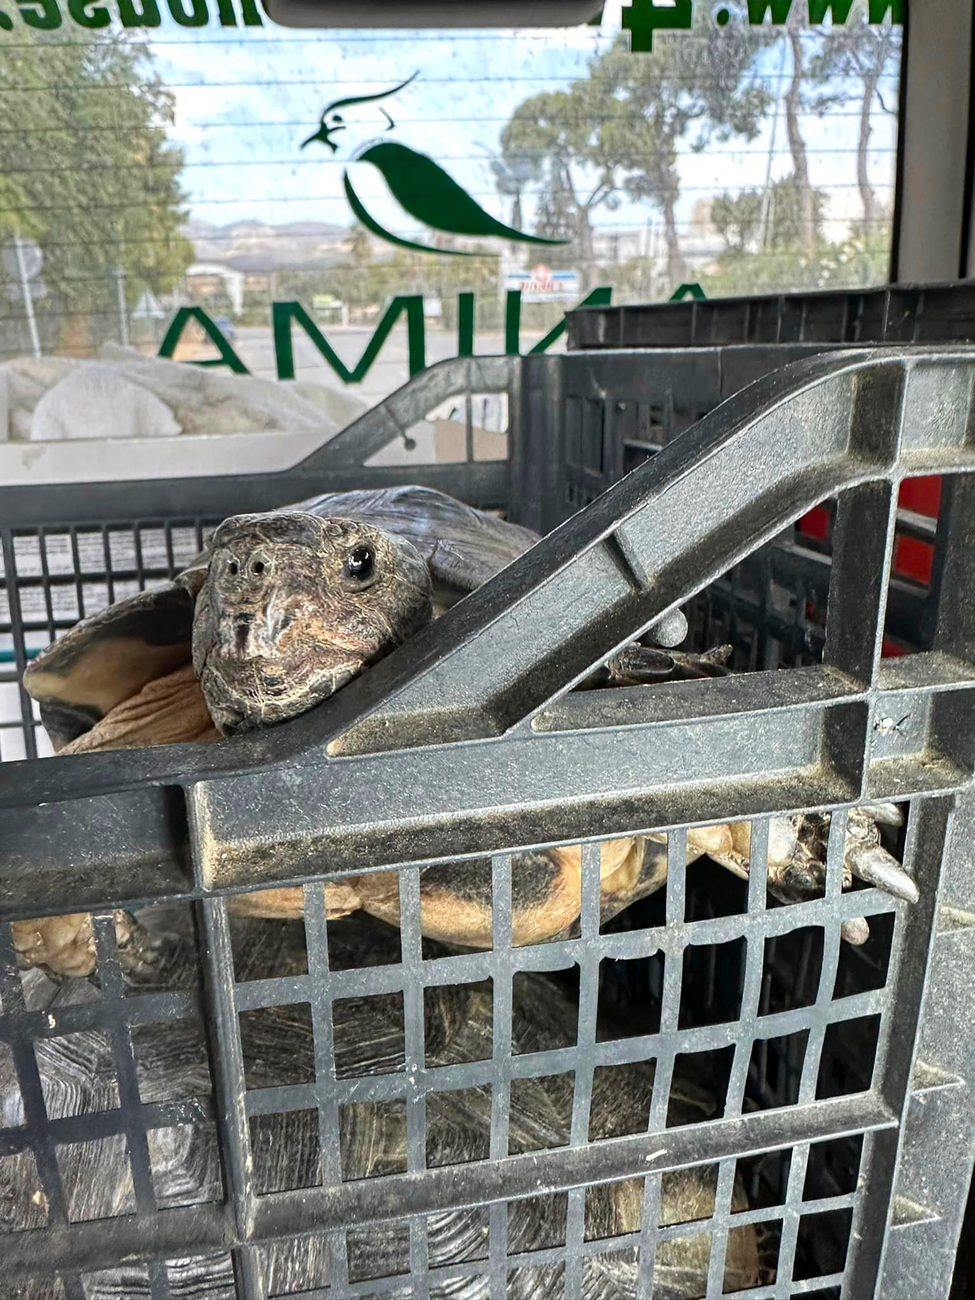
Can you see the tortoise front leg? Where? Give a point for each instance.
(64, 946)
(640, 665)
(797, 858)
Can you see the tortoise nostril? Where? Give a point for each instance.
(258, 566)
(233, 567)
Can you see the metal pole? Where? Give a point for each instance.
(35, 340)
(123, 320)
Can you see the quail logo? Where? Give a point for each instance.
(419, 187)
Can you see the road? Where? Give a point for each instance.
(255, 346)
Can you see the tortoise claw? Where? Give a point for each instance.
(797, 860)
(640, 665)
(855, 930)
(876, 866)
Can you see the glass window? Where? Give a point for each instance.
(194, 154)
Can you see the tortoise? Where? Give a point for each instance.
(277, 1046)
(280, 611)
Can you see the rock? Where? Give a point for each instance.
(95, 402)
(4, 407)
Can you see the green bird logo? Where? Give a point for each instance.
(420, 187)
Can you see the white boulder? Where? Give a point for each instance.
(338, 404)
(97, 401)
(124, 394)
(211, 401)
(20, 418)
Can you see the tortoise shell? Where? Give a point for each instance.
(171, 1063)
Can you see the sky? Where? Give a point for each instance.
(246, 98)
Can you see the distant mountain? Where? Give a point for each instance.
(255, 247)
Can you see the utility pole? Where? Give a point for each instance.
(123, 319)
(25, 289)
(763, 229)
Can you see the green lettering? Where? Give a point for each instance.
(643, 17)
(42, 14)
(228, 14)
(6, 22)
(691, 290)
(839, 11)
(598, 298)
(512, 323)
(139, 13)
(284, 313)
(779, 9)
(465, 324)
(87, 14)
(196, 16)
(877, 10)
(228, 357)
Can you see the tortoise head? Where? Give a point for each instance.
(294, 606)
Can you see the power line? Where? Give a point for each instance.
(325, 161)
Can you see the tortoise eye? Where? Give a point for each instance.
(360, 564)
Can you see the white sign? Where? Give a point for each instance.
(542, 285)
(30, 255)
(148, 307)
(15, 290)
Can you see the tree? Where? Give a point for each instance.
(88, 171)
(797, 145)
(556, 140)
(790, 238)
(859, 260)
(866, 52)
(697, 87)
(739, 219)
(511, 175)
(619, 131)
(360, 245)
(763, 232)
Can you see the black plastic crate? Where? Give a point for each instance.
(842, 1079)
(893, 314)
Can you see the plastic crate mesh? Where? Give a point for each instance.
(52, 577)
(691, 1013)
